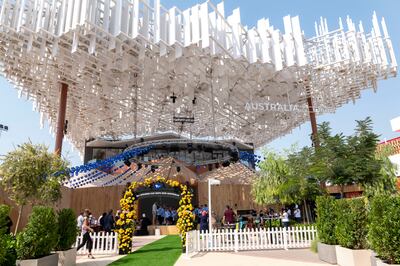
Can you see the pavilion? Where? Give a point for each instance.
(120, 69)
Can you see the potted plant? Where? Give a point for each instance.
(38, 239)
(384, 229)
(351, 232)
(326, 223)
(7, 242)
(67, 232)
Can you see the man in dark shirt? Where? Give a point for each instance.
(109, 223)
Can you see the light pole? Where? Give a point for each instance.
(3, 128)
(210, 183)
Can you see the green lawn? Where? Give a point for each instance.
(165, 252)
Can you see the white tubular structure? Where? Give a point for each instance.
(123, 59)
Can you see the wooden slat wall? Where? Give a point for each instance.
(102, 199)
(97, 199)
(4, 199)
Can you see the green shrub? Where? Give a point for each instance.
(4, 214)
(352, 223)
(67, 230)
(40, 236)
(326, 220)
(384, 228)
(8, 255)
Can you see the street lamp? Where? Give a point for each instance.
(3, 128)
(210, 183)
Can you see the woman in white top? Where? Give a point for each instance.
(285, 218)
(86, 236)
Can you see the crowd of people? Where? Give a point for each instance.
(232, 218)
(163, 215)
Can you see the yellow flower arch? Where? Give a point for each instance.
(129, 205)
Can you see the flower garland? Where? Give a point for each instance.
(129, 205)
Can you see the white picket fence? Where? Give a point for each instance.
(103, 243)
(249, 239)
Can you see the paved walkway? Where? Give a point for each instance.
(292, 257)
(103, 260)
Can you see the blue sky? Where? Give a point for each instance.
(381, 106)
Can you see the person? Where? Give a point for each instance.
(250, 224)
(297, 214)
(213, 220)
(174, 216)
(144, 223)
(204, 221)
(86, 236)
(79, 221)
(154, 212)
(109, 223)
(160, 215)
(168, 216)
(285, 218)
(205, 208)
(102, 220)
(117, 215)
(229, 215)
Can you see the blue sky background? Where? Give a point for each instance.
(381, 106)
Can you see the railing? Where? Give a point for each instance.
(249, 239)
(103, 243)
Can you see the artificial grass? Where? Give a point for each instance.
(165, 252)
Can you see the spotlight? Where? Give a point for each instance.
(127, 162)
(178, 169)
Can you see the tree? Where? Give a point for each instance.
(273, 173)
(28, 176)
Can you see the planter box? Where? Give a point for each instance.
(379, 262)
(353, 257)
(50, 260)
(67, 257)
(327, 253)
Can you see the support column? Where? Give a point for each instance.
(313, 121)
(62, 107)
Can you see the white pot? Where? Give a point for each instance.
(67, 257)
(327, 253)
(353, 257)
(50, 260)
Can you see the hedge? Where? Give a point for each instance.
(384, 228)
(352, 223)
(40, 235)
(4, 214)
(67, 229)
(326, 220)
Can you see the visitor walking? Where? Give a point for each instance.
(109, 223)
(229, 215)
(285, 218)
(204, 221)
(102, 220)
(86, 236)
(297, 214)
(79, 221)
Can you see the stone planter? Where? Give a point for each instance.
(67, 257)
(327, 253)
(379, 262)
(353, 257)
(51, 260)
